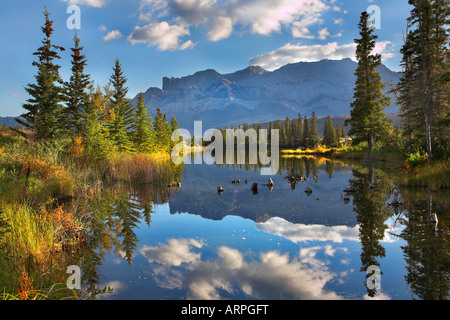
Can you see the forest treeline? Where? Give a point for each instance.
(299, 132)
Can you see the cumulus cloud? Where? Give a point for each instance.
(302, 233)
(113, 35)
(220, 18)
(175, 253)
(161, 34)
(272, 276)
(293, 53)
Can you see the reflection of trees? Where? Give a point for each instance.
(129, 215)
(369, 200)
(113, 218)
(427, 250)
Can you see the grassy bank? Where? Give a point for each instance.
(40, 233)
(412, 170)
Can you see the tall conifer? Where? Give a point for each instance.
(367, 121)
(44, 108)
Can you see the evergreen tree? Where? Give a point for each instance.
(175, 126)
(338, 131)
(287, 130)
(424, 87)
(143, 137)
(163, 131)
(77, 98)
(313, 131)
(167, 135)
(367, 121)
(96, 140)
(299, 130)
(122, 111)
(329, 134)
(306, 134)
(43, 116)
(283, 137)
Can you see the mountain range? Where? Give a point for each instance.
(255, 95)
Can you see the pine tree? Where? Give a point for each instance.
(306, 134)
(122, 110)
(143, 136)
(424, 87)
(96, 141)
(163, 131)
(329, 134)
(367, 121)
(167, 135)
(44, 107)
(76, 96)
(313, 131)
(299, 130)
(287, 131)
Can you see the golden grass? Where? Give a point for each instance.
(319, 150)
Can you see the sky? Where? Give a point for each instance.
(174, 38)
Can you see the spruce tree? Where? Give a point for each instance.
(96, 140)
(44, 108)
(313, 131)
(143, 137)
(299, 130)
(367, 121)
(424, 87)
(306, 134)
(287, 131)
(76, 95)
(122, 110)
(163, 131)
(329, 133)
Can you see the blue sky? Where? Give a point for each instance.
(174, 38)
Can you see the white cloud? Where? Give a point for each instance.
(323, 34)
(221, 18)
(301, 233)
(385, 48)
(292, 53)
(161, 34)
(113, 35)
(91, 3)
(272, 276)
(175, 253)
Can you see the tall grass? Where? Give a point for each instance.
(31, 233)
(432, 175)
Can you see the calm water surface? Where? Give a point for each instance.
(282, 243)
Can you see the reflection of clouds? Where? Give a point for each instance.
(272, 276)
(302, 233)
(175, 253)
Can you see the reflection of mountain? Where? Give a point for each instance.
(198, 195)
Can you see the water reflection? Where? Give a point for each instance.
(279, 243)
(271, 275)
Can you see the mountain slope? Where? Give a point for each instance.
(256, 95)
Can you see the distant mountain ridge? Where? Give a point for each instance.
(257, 95)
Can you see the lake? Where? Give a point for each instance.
(192, 242)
